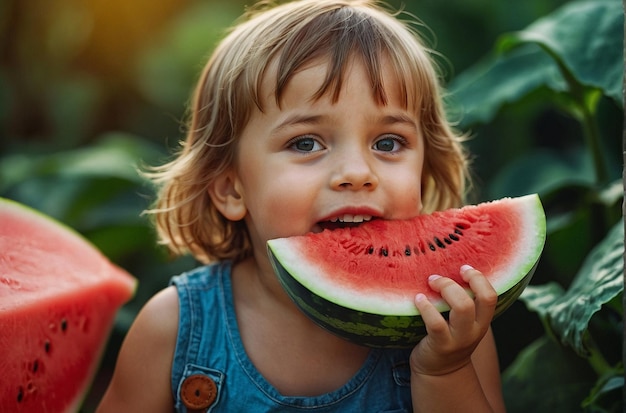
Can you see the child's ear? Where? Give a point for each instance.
(227, 196)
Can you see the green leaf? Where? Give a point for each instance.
(612, 194)
(115, 155)
(544, 171)
(569, 230)
(599, 280)
(87, 187)
(481, 91)
(546, 379)
(586, 39)
(608, 387)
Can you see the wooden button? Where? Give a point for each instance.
(198, 392)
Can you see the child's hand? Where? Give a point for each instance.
(450, 343)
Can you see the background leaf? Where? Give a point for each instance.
(545, 171)
(546, 378)
(586, 38)
(598, 282)
(500, 80)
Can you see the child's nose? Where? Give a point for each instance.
(353, 173)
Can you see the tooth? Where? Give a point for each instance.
(347, 218)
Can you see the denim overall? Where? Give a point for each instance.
(210, 353)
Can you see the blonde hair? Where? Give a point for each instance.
(293, 35)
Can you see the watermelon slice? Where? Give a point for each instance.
(360, 281)
(58, 299)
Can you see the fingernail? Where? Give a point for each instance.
(420, 297)
(434, 277)
(466, 268)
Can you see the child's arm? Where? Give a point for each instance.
(455, 367)
(141, 381)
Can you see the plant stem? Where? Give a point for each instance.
(592, 136)
(596, 360)
(587, 105)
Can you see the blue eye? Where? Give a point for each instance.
(306, 144)
(389, 144)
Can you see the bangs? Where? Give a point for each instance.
(344, 34)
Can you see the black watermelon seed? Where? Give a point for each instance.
(384, 252)
(439, 243)
(432, 247)
(370, 250)
(35, 366)
(447, 241)
(407, 251)
(453, 237)
(20, 394)
(458, 231)
(63, 325)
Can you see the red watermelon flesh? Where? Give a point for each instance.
(361, 281)
(58, 299)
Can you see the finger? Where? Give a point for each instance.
(485, 296)
(462, 311)
(435, 324)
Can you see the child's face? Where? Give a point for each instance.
(309, 163)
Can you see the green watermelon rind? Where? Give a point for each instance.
(373, 330)
(369, 329)
(402, 329)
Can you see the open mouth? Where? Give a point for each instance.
(345, 221)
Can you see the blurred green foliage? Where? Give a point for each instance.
(91, 90)
(568, 63)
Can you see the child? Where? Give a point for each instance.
(309, 112)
